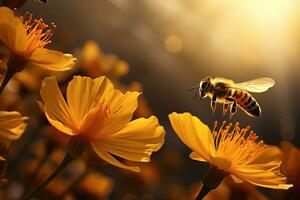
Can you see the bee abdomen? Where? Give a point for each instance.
(247, 102)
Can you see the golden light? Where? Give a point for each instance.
(252, 32)
(173, 43)
(238, 33)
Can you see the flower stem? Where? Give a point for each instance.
(211, 180)
(9, 74)
(15, 64)
(37, 172)
(203, 192)
(67, 160)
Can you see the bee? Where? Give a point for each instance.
(232, 94)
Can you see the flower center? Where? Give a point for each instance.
(95, 119)
(38, 33)
(236, 144)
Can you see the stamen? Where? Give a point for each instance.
(236, 144)
(38, 32)
(215, 126)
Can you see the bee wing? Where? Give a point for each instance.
(256, 85)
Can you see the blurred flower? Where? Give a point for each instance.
(26, 37)
(55, 188)
(95, 185)
(96, 63)
(230, 152)
(99, 115)
(12, 126)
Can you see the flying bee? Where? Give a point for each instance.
(232, 94)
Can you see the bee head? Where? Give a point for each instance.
(204, 86)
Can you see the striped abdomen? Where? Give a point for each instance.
(246, 102)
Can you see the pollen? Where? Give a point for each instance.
(38, 32)
(239, 145)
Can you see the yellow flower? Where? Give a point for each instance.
(101, 115)
(235, 151)
(26, 37)
(96, 63)
(12, 126)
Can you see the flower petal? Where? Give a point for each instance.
(55, 107)
(195, 156)
(12, 126)
(271, 153)
(83, 92)
(236, 179)
(12, 31)
(265, 175)
(112, 160)
(52, 60)
(195, 134)
(136, 141)
(122, 107)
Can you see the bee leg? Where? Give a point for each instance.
(213, 103)
(225, 107)
(233, 106)
(233, 109)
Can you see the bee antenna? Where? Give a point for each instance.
(193, 88)
(195, 95)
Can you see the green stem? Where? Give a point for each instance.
(67, 160)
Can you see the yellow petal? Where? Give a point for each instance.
(122, 107)
(136, 141)
(83, 92)
(51, 60)
(195, 134)
(56, 109)
(236, 179)
(195, 156)
(271, 153)
(12, 31)
(265, 175)
(12, 125)
(107, 157)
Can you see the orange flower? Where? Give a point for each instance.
(100, 115)
(26, 37)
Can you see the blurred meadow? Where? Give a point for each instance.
(160, 48)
